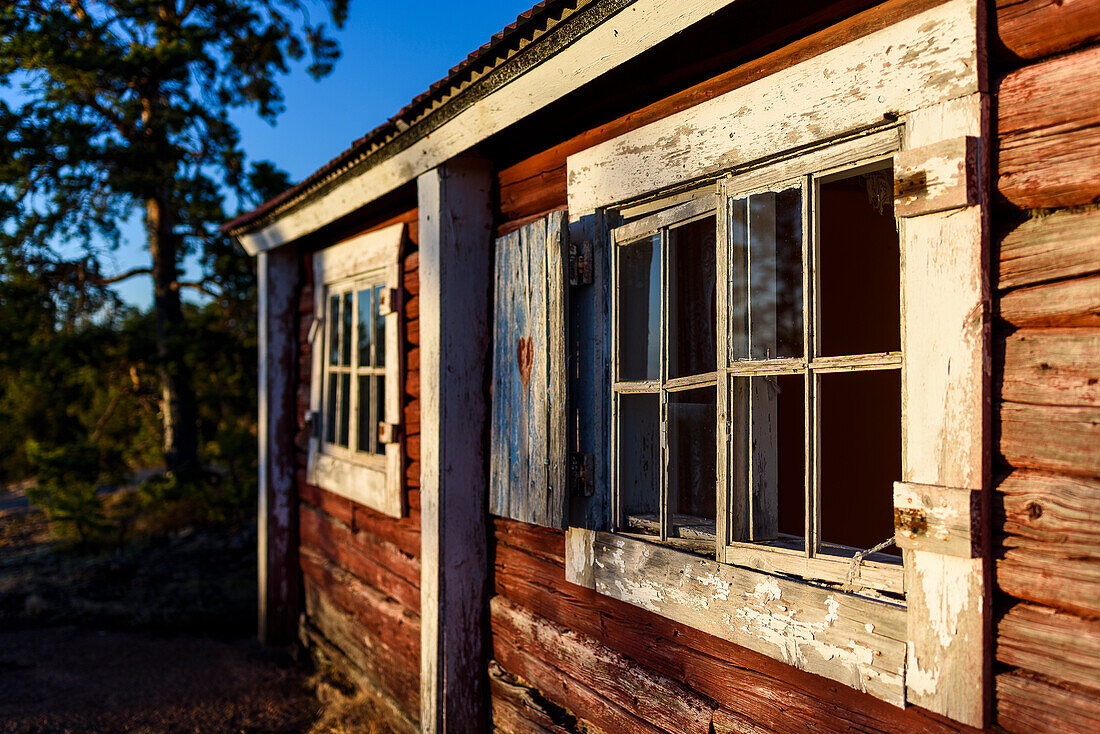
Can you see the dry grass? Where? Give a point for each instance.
(342, 713)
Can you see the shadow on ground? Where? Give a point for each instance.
(156, 635)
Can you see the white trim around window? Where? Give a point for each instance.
(923, 76)
(350, 454)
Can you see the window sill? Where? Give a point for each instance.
(855, 640)
(364, 483)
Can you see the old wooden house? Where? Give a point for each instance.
(702, 366)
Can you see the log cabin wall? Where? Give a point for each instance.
(566, 659)
(1046, 72)
(360, 568)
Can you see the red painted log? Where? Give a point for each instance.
(1061, 245)
(1031, 704)
(1048, 126)
(1048, 540)
(1073, 303)
(395, 627)
(1051, 437)
(1060, 646)
(373, 561)
(1035, 29)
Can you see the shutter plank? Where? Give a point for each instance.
(528, 471)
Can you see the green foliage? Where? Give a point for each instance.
(67, 487)
(120, 107)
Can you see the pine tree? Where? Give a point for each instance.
(119, 106)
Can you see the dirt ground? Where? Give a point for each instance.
(154, 636)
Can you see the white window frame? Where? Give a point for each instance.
(925, 74)
(373, 480)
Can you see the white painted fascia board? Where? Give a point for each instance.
(630, 32)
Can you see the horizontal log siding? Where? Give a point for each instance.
(684, 663)
(1047, 365)
(361, 569)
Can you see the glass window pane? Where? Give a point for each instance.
(379, 330)
(640, 310)
(692, 287)
(766, 275)
(860, 456)
(767, 456)
(379, 398)
(345, 410)
(858, 266)
(639, 456)
(330, 410)
(692, 461)
(366, 308)
(345, 330)
(366, 434)
(334, 330)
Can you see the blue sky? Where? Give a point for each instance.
(391, 53)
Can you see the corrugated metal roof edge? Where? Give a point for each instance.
(509, 38)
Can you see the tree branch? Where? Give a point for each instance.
(124, 276)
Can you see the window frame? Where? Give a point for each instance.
(374, 480)
(813, 560)
(926, 73)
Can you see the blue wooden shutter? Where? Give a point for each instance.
(528, 472)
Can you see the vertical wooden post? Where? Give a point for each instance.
(455, 265)
(277, 552)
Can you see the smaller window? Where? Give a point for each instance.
(355, 450)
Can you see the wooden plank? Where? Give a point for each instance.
(601, 44)
(851, 639)
(946, 345)
(1056, 644)
(576, 697)
(394, 626)
(1031, 704)
(373, 561)
(527, 478)
(1048, 127)
(1051, 437)
(1052, 367)
(371, 658)
(277, 582)
(655, 699)
(1073, 302)
(1049, 547)
(728, 722)
(937, 519)
(455, 205)
(519, 707)
(936, 178)
(836, 92)
(539, 183)
(739, 679)
(1058, 245)
(1035, 29)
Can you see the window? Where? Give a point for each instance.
(747, 452)
(354, 386)
(355, 449)
(840, 383)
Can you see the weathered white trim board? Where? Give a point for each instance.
(635, 29)
(924, 73)
(920, 61)
(851, 639)
(374, 481)
(456, 220)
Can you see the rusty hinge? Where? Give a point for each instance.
(582, 469)
(580, 263)
(387, 301)
(388, 432)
